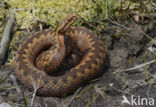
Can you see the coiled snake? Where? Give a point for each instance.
(88, 67)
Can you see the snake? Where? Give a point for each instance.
(89, 67)
(52, 59)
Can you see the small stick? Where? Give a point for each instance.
(36, 87)
(136, 67)
(5, 42)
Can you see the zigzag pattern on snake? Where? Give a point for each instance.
(88, 68)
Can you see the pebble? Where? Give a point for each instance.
(5, 105)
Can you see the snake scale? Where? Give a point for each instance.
(89, 67)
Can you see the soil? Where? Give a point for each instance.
(127, 47)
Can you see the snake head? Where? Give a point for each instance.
(65, 24)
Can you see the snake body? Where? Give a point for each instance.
(89, 67)
(53, 58)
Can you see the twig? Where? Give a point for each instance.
(65, 102)
(147, 35)
(69, 102)
(118, 24)
(36, 87)
(82, 19)
(137, 67)
(4, 45)
(122, 92)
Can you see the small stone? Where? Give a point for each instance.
(5, 105)
(111, 84)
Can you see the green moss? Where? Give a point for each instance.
(48, 11)
(29, 12)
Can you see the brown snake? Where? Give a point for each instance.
(89, 67)
(52, 59)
